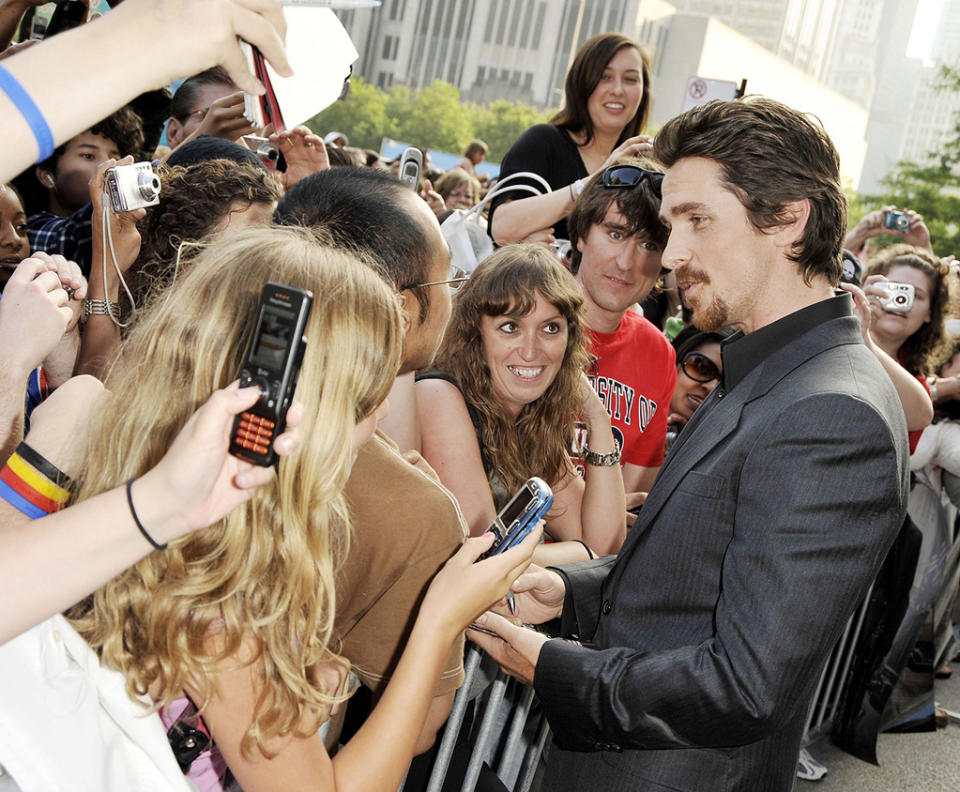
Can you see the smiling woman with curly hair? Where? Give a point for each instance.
(508, 398)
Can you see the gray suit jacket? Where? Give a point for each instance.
(706, 635)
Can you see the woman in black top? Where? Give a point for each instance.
(607, 103)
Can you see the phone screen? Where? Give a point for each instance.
(273, 338)
(515, 508)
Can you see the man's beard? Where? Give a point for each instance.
(710, 317)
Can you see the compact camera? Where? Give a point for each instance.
(264, 149)
(273, 365)
(132, 186)
(899, 297)
(561, 248)
(897, 221)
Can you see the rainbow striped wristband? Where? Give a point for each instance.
(30, 491)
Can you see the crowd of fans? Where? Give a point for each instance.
(198, 582)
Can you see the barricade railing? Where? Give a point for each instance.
(826, 697)
(518, 756)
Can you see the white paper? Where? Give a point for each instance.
(320, 53)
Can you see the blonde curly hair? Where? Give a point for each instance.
(264, 576)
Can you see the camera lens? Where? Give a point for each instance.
(903, 223)
(900, 299)
(149, 185)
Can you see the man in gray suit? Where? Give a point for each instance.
(703, 640)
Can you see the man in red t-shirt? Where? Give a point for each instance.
(616, 240)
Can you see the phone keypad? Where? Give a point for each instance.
(254, 432)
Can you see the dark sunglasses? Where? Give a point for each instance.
(631, 176)
(699, 367)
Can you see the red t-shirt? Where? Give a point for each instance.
(634, 377)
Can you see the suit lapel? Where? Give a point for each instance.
(719, 416)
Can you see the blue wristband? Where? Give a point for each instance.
(21, 504)
(30, 112)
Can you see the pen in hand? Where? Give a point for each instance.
(511, 603)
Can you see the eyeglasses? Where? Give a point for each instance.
(699, 367)
(631, 176)
(202, 113)
(458, 276)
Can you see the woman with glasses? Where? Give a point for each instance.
(607, 103)
(505, 403)
(699, 366)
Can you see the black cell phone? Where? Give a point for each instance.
(520, 515)
(273, 364)
(411, 163)
(68, 14)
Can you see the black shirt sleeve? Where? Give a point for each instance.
(549, 152)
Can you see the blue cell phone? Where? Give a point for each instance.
(518, 517)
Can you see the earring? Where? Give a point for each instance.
(50, 180)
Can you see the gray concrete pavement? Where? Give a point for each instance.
(926, 762)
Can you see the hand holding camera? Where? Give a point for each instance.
(123, 224)
(887, 296)
(890, 220)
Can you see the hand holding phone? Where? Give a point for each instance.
(272, 364)
(520, 515)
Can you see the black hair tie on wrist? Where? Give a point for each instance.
(136, 519)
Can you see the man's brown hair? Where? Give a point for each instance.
(639, 205)
(770, 155)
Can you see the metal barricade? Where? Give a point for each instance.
(517, 762)
(826, 697)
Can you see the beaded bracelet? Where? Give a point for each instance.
(30, 112)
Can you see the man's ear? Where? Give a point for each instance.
(45, 177)
(174, 132)
(797, 215)
(405, 298)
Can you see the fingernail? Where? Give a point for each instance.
(481, 619)
(488, 533)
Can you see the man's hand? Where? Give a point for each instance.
(516, 650)
(34, 314)
(538, 594)
(304, 152)
(225, 119)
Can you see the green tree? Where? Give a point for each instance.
(433, 118)
(502, 122)
(928, 188)
(362, 116)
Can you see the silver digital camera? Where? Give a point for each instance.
(899, 297)
(132, 186)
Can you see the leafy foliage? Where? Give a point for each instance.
(432, 117)
(928, 188)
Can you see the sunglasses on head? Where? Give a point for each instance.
(631, 176)
(699, 367)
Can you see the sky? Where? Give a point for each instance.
(924, 28)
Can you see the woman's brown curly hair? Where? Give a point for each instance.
(193, 201)
(929, 347)
(537, 442)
